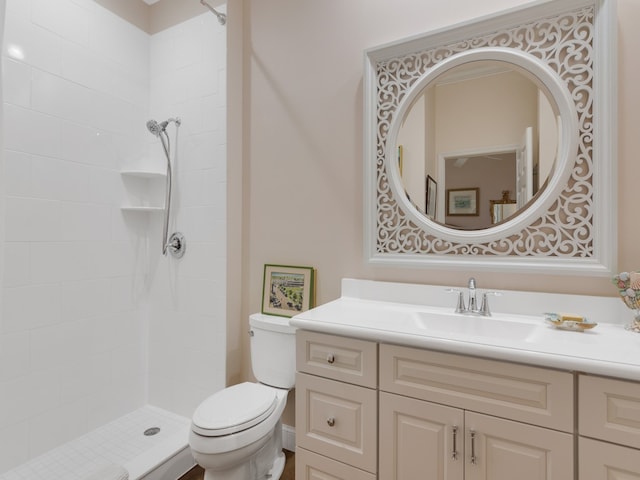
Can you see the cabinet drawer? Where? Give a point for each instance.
(604, 461)
(610, 410)
(527, 394)
(337, 420)
(311, 466)
(340, 358)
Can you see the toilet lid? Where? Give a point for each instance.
(234, 409)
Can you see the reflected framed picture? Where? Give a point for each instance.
(287, 290)
(432, 195)
(462, 201)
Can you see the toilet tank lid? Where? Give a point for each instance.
(234, 408)
(271, 322)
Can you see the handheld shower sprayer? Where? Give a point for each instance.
(176, 243)
(158, 128)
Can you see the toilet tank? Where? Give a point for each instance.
(273, 350)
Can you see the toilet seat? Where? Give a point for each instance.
(234, 409)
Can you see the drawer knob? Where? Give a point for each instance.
(331, 358)
(331, 421)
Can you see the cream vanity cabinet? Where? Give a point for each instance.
(447, 416)
(609, 428)
(432, 415)
(336, 408)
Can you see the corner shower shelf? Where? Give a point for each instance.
(145, 175)
(129, 208)
(142, 174)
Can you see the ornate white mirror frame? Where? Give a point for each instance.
(569, 48)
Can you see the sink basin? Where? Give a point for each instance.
(443, 325)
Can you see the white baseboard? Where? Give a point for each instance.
(288, 438)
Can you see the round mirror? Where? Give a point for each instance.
(477, 143)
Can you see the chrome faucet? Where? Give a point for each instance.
(471, 308)
(473, 303)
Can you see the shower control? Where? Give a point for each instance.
(177, 245)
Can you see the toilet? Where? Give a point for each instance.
(236, 434)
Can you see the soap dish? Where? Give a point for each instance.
(574, 325)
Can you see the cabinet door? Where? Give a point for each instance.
(419, 439)
(311, 466)
(498, 449)
(605, 461)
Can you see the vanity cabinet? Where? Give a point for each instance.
(336, 408)
(429, 414)
(609, 428)
(461, 418)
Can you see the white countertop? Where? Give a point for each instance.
(370, 310)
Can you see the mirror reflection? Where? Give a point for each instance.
(477, 131)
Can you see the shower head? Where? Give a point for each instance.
(222, 18)
(155, 127)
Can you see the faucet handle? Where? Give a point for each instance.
(484, 306)
(460, 308)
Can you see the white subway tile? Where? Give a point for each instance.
(40, 48)
(16, 82)
(14, 445)
(56, 426)
(19, 8)
(63, 17)
(30, 307)
(14, 356)
(54, 95)
(31, 132)
(17, 171)
(58, 261)
(16, 264)
(85, 299)
(29, 219)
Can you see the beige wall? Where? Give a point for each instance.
(303, 139)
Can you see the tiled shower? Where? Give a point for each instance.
(94, 321)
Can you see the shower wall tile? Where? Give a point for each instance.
(63, 17)
(19, 8)
(59, 97)
(31, 132)
(62, 423)
(52, 262)
(17, 86)
(30, 219)
(41, 48)
(16, 264)
(74, 288)
(187, 338)
(26, 308)
(14, 356)
(14, 444)
(17, 173)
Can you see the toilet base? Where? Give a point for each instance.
(267, 463)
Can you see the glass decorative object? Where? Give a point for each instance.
(628, 284)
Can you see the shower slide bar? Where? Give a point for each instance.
(175, 244)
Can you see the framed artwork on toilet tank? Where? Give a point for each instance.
(287, 290)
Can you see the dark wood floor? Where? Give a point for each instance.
(196, 473)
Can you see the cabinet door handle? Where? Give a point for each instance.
(331, 421)
(454, 452)
(474, 460)
(331, 358)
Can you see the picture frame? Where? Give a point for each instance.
(287, 290)
(462, 201)
(431, 197)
